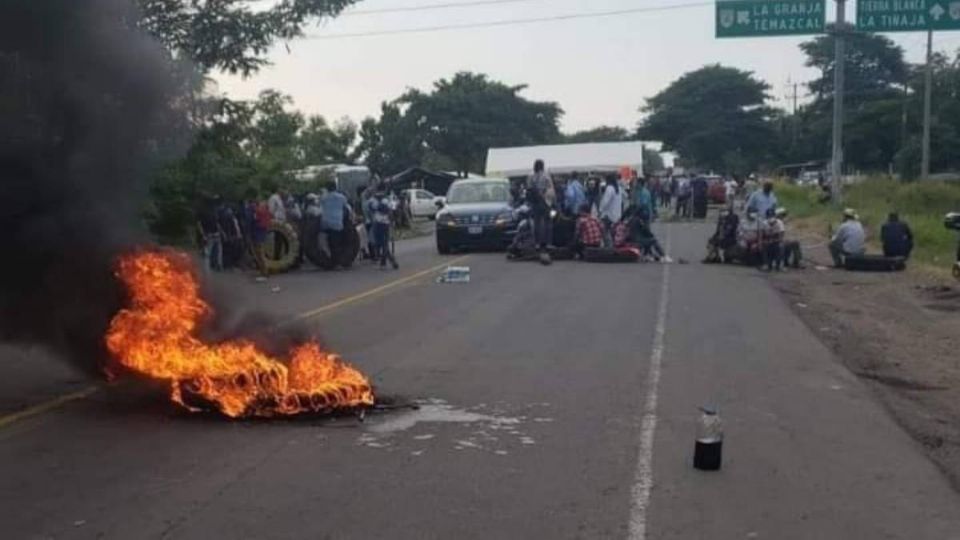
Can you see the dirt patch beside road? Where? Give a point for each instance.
(900, 333)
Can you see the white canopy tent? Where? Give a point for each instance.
(566, 158)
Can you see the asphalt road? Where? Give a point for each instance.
(559, 402)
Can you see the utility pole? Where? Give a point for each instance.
(927, 94)
(795, 119)
(836, 164)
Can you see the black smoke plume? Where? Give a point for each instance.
(86, 102)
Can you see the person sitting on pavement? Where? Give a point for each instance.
(588, 231)
(791, 254)
(724, 239)
(849, 240)
(642, 236)
(524, 243)
(748, 247)
(772, 240)
(897, 237)
(762, 201)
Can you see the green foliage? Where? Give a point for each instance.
(242, 146)
(230, 35)
(715, 116)
(391, 144)
(455, 123)
(884, 103)
(598, 135)
(874, 66)
(801, 201)
(921, 204)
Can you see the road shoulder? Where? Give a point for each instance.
(900, 334)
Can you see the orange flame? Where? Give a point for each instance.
(156, 337)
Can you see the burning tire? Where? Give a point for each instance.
(282, 248)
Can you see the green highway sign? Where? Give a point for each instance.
(758, 18)
(907, 15)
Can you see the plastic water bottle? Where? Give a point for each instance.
(455, 274)
(708, 450)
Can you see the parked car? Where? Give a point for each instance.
(422, 202)
(716, 190)
(477, 213)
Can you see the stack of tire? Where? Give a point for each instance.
(317, 249)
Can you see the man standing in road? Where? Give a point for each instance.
(540, 195)
(683, 197)
(278, 210)
(849, 239)
(381, 229)
(336, 209)
(574, 196)
(730, 192)
(643, 200)
(760, 202)
(897, 237)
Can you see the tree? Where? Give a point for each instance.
(711, 116)
(454, 125)
(874, 66)
(230, 35)
(945, 119)
(243, 145)
(874, 101)
(391, 144)
(466, 115)
(599, 134)
(321, 143)
(274, 132)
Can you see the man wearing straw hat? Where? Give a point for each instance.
(849, 239)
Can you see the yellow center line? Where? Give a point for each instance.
(57, 402)
(46, 406)
(366, 294)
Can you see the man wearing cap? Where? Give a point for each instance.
(849, 239)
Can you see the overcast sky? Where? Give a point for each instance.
(598, 69)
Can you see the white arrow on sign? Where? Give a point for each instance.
(937, 11)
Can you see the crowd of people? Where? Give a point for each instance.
(267, 231)
(610, 212)
(762, 239)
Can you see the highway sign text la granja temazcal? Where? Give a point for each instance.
(756, 18)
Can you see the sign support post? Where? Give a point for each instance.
(836, 163)
(927, 91)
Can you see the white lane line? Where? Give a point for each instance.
(643, 475)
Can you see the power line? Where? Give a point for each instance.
(428, 7)
(508, 22)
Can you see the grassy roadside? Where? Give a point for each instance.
(921, 204)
